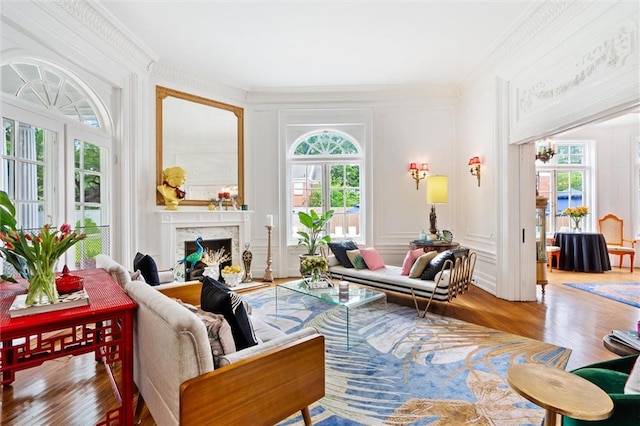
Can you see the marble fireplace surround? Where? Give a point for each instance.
(185, 224)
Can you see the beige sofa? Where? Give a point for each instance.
(174, 368)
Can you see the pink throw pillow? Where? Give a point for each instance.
(410, 259)
(372, 258)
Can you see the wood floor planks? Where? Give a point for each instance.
(76, 390)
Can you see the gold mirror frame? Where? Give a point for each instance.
(161, 94)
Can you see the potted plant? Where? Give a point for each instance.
(312, 237)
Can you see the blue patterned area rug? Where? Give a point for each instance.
(628, 293)
(405, 370)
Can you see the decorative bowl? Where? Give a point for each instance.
(232, 279)
(67, 283)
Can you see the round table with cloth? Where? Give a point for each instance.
(582, 252)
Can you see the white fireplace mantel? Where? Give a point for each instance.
(177, 225)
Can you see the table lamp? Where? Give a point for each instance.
(437, 192)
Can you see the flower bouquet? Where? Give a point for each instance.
(39, 251)
(576, 214)
(315, 266)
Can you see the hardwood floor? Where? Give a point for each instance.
(75, 390)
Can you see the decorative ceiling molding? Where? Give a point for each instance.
(97, 20)
(528, 29)
(603, 58)
(195, 81)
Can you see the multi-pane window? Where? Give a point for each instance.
(26, 160)
(325, 169)
(563, 181)
(55, 176)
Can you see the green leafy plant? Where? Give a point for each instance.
(312, 238)
(8, 224)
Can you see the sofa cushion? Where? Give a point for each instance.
(356, 259)
(409, 259)
(436, 264)
(340, 248)
(148, 267)
(421, 263)
(372, 258)
(218, 330)
(218, 299)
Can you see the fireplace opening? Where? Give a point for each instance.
(208, 245)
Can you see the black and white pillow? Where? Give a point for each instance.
(218, 299)
(340, 249)
(436, 264)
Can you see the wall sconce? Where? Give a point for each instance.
(474, 163)
(418, 173)
(545, 150)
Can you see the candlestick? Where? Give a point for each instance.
(268, 275)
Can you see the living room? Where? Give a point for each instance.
(550, 68)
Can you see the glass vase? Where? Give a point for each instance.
(42, 285)
(577, 225)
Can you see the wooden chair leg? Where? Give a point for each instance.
(306, 415)
(137, 416)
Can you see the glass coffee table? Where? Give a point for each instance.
(354, 297)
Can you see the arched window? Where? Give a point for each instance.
(54, 154)
(325, 170)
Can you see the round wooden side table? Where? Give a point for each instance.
(559, 392)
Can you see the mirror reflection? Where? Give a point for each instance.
(205, 138)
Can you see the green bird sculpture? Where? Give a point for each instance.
(193, 258)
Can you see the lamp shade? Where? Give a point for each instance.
(437, 189)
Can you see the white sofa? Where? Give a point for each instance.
(174, 368)
(454, 279)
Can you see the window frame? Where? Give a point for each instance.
(325, 162)
(588, 191)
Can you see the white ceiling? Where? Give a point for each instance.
(268, 44)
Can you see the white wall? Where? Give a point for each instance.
(572, 65)
(554, 51)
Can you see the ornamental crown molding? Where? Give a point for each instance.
(179, 76)
(536, 23)
(604, 58)
(99, 22)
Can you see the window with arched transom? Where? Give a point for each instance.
(54, 154)
(325, 173)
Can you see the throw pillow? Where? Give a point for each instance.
(356, 259)
(340, 248)
(372, 258)
(633, 382)
(410, 259)
(421, 263)
(147, 266)
(137, 276)
(218, 299)
(436, 265)
(218, 331)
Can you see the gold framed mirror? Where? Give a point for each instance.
(205, 138)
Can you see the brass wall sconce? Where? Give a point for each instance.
(474, 163)
(418, 173)
(545, 150)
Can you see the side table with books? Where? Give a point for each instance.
(622, 342)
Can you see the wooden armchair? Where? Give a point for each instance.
(611, 226)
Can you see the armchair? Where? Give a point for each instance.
(611, 226)
(611, 376)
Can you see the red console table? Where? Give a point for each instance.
(104, 327)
